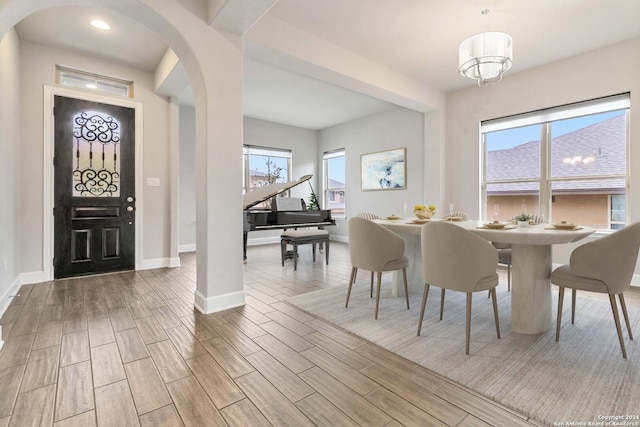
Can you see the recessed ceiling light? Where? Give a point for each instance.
(101, 25)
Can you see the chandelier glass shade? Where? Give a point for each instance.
(486, 56)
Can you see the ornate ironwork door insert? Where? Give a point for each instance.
(94, 194)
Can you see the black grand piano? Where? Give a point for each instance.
(284, 213)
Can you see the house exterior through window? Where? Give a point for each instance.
(333, 174)
(567, 164)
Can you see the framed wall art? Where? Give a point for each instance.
(384, 170)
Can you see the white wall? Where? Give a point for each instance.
(383, 131)
(187, 189)
(603, 72)
(9, 167)
(37, 67)
(303, 144)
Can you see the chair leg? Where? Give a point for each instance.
(616, 318)
(573, 306)
(441, 302)
(313, 251)
(559, 318)
(378, 293)
(372, 284)
(295, 256)
(326, 248)
(469, 297)
(626, 315)
(424, 303)
(495, 310)
(283, 249)
(406, 288)
(509, 277)
(354, 271)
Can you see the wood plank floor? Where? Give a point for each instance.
(129, 349)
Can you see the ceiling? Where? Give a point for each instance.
(417, 38)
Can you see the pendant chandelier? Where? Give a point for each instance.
(486, 56)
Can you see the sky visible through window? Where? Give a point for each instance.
(269, 165)
(505, 139)
(336, 169)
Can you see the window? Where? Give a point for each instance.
(264, 166)
(334, 178)
(94, 82)
(567, 164)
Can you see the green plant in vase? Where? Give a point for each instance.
(312, 204)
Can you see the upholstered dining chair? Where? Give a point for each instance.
(377, 249)
(367, 215)
(463, 215)
(456, 259)
(605, 265)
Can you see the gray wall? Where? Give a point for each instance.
(187, 188)
(9, 165)
(303, 144)
(37, 68)
(603, 72)
(383, 131)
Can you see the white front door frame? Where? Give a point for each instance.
(48, 172)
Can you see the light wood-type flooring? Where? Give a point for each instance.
(128, 349)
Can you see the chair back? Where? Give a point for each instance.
(455, 258)
(610, 259)
(367, 215)
(372, 246)
(463, 215)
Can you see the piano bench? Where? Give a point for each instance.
(302, 237)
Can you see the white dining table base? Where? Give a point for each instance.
(415, 279)
(531, 289)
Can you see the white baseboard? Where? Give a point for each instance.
(150, 264)
(263, 240)
(5, 300)
(174, 262)
(187, 248)
(339, 238)
(218, 302)
(31, 277)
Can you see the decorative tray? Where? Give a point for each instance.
(392, 217)
(564, 226)
(495, 225)
(420, 221)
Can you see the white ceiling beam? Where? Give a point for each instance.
(237, 16)
(276, 42)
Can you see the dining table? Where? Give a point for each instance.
(531, 264)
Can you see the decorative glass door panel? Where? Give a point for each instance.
(96, 155)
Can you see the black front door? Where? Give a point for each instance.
(94, 205)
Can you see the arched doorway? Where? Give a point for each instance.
(213, 64)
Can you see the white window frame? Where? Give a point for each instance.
(325, 179)
(545, 118)
(248, 150)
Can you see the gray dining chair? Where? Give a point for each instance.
(368, 215)
(377, 249)
(605, 265)
(463, 215)
(456, 259)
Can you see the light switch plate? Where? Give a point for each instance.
(153, 182)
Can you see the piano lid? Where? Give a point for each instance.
(261, 194)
